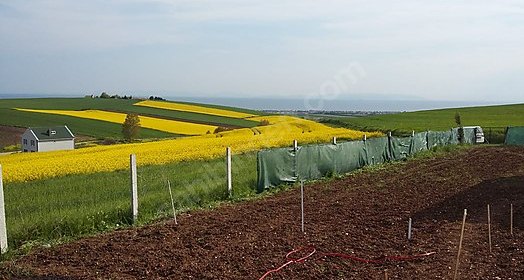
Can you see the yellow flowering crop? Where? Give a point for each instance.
(281, 132)
(177, 127)
(193, 109)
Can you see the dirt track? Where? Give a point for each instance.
(363, 215)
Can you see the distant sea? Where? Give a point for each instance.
(303, 104)
(333, 105)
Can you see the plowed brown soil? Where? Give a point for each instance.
(10, 135)
(363, 214)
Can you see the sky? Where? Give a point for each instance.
(435, 50)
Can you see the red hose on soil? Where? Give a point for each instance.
(290, 260)
(312, 251)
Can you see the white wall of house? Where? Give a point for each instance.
(29, 142)
(55, 145)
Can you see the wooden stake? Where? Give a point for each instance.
(172, 201)
(295, 145)
(409, 229)
(334, 140)
(460, 244)
(511, 219)
(134, 189)
(3, 227)
(302, 202)
(386, 275)
(228, 169)
(489, 230)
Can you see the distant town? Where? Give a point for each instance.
(327, 113)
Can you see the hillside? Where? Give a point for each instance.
(60, 194)
(101, 128)
(443, 119)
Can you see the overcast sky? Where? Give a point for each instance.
(440, 50)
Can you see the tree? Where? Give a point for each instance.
(104, 95)
(263, 122)
(458, 121)
(131, 127)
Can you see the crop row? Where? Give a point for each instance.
(193, 109)
(176, 127)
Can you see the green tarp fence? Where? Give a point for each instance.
(469, 135)
(514, 135)
(287, 165)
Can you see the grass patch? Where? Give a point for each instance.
(494, 117)
(47, 211)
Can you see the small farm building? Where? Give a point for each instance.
(42, 139)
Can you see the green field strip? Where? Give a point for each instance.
(79, 126)
(438, 120)
(122, 105)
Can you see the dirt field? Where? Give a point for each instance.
(10, 135)
(363, 215)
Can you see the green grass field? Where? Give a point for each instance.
(99, 129)
(61, 208)
(497, 117)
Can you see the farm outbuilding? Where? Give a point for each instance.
(43, 139)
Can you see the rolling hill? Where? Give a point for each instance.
(497, 117)
(100, 129)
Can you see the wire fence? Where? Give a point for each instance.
(45, 211)
(494, 134)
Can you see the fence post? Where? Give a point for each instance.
(134, 188)
(427, 139)
(409, 229)
(228, 170)
(460, 244)
(334, 140)
(3, 227)
(302, 204)
(172, 201)
(295, 145)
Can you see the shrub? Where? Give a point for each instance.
(222, 129)
(109, 141)
(263, 122)
(12, 148)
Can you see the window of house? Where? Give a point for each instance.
(32, 142)
(25, 141)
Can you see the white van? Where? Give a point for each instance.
(473, 130)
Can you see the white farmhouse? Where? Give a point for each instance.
(42, 139)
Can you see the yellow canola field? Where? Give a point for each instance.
(193, 109)
(177, 127)
(281, 132)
